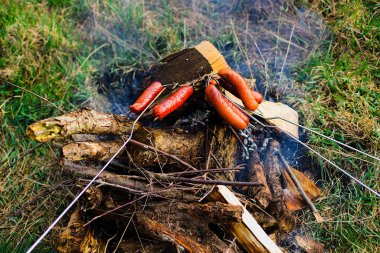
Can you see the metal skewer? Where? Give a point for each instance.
(35, 244)
(247, 112)
(315, 152)
(320, 134)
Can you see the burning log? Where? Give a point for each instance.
(273, 169)
(300, 189)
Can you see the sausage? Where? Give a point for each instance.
(258, 97)
(173, 102)
(226, 85)
(240, 85)
(226, 109)
(146, 97)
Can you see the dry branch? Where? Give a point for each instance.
(309, 203)
(132, 182)
(77, 122)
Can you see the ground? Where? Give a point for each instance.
(58, 49)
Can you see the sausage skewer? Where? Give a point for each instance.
(226, 109)
(173, 102)
(146, 97)
(240, 85)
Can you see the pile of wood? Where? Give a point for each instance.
(175, 189)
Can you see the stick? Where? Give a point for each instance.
(34, 94)
(209, 182)
(161, 176)
(239, 167)
(309, 203)
(129, 182)
(173, 157)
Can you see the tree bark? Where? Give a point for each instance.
(188, 146)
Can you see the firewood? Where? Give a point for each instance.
(248, 233)
(187, 229)
(190, 64)
(172, 213)
(78, 238)
(273, 168)
(187, 146)
(309, 245)
(293, 198)
(82, 121)
(126, 181)
(256, 174)
(183, 224)
(298, 185)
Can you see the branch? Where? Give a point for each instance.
(310, 204)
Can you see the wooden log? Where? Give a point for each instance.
(248, 233)
(190, 64)
(187, 146)
(300, 189)
(273, 168)
(256, 173)
(77, 122)
(188, 229)
(293, 198)
(78, 238)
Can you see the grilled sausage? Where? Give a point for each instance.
(226, 109)
(240, 85)
(173, 102)
(146, 97)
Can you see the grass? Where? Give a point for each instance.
(40, 52)
(344, 102)
(59, 48)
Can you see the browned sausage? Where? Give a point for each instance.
(146, 97)
(240, 85)
(226, 109)
(173, 102)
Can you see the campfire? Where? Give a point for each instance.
(191, 179)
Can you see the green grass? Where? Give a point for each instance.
(55, 49)
(40, 52)
(344, 102)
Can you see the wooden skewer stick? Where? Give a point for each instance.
(309, 203)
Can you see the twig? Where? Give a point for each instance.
(131, 183)
(153, 149)
(202, 171)
(34, 94)
(216, 160)
(287, 52)
(239, 140)
(209, 150)
(309, 203)
(115, 209)
(21, 157)
(202, 181)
